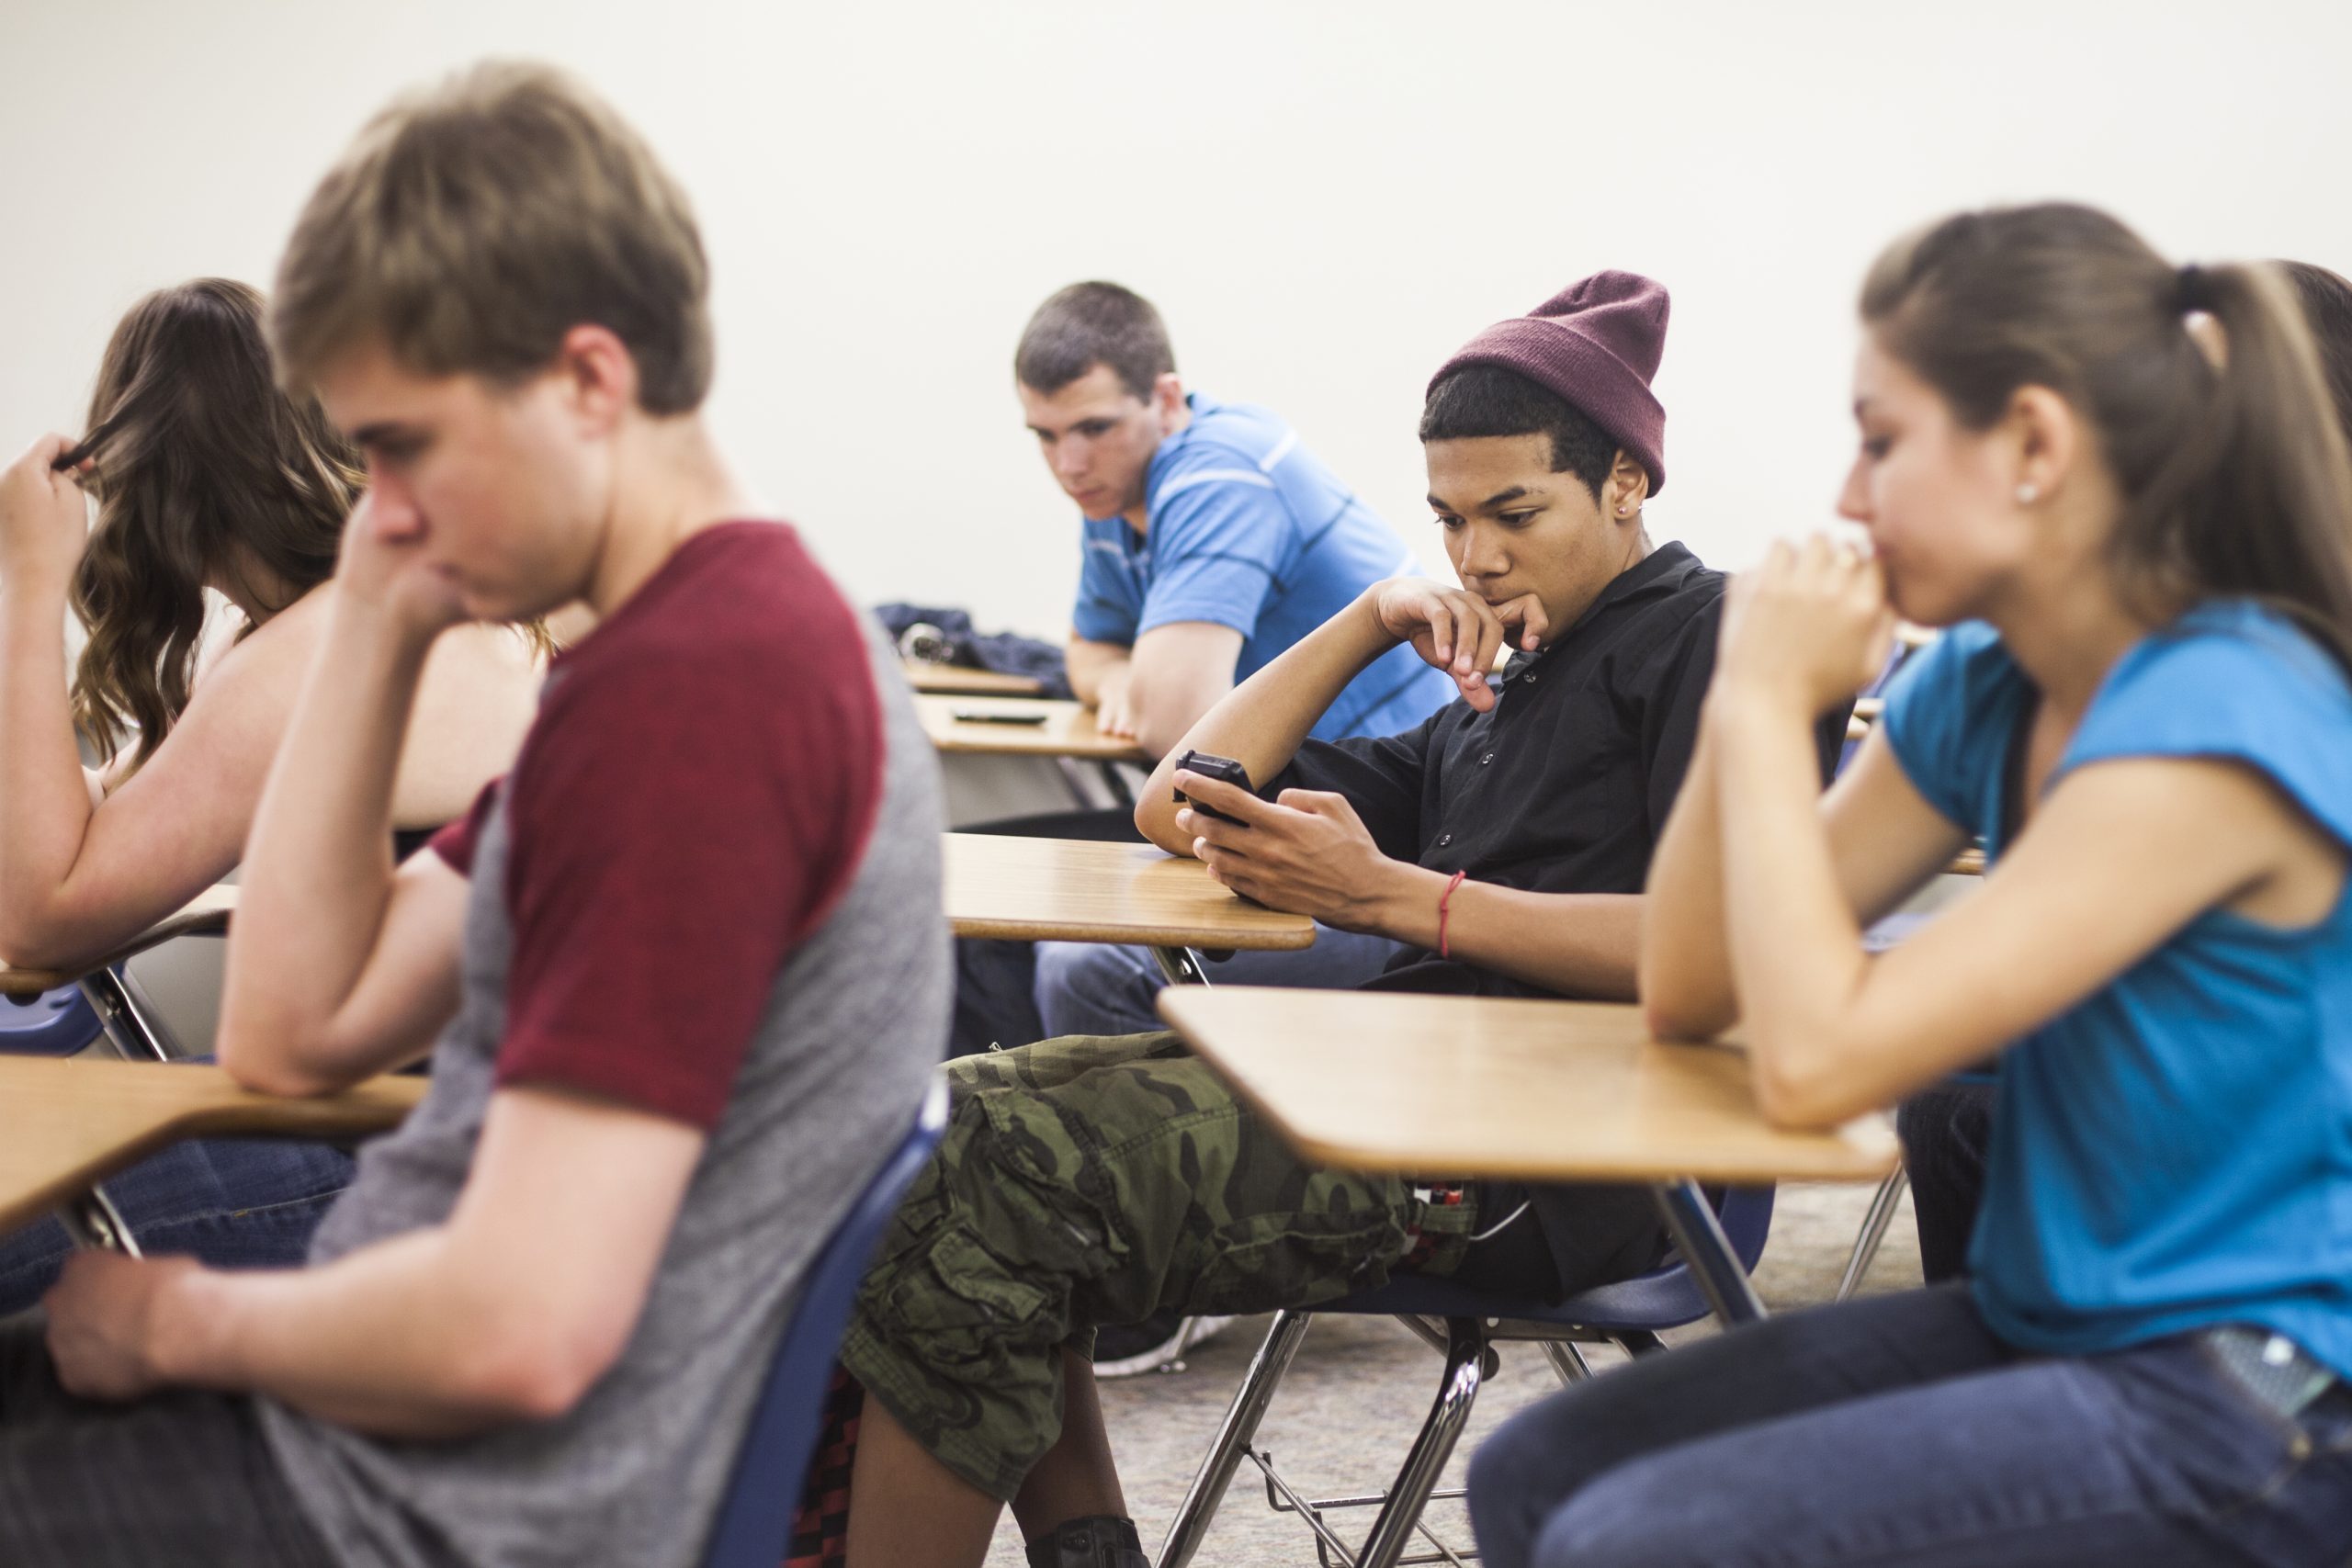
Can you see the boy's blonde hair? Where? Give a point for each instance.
(472, 224)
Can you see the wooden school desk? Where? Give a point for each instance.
(1535, 1090)
(955, 679)
(66, 1127)
(1076, 890)
(1019, 889)
(118, 1002)
(1060, 730)
(1061, 733)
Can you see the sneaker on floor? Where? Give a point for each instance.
(1125, 1349)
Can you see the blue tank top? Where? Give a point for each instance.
(2175, 1151)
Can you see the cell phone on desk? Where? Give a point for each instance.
(1225, 770)
(997, 715)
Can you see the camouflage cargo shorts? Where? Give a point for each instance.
(1089, 1180)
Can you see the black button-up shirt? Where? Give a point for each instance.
(1563, 787)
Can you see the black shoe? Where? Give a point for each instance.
(1096, 1542)
(1122, 1351)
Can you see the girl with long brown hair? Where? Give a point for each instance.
(2122, 485)
(206, 477)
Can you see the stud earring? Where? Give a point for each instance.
(2028, 495)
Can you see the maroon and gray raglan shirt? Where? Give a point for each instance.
(710, 890)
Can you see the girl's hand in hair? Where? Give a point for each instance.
(44, 519)
(1809, 628)
(384, 568)
(1456, 631)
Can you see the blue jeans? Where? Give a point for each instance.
(1947, 1132)
(233, 1203)
(1897, 1430)
(1095, 988)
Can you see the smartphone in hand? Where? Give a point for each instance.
(1225, 770)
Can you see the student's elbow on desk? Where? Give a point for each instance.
(1164, 714)
(1803, 1090)
(1680, 1020)
(266, 1072)
(1156, 818)
(42, 933)
(262, 1054)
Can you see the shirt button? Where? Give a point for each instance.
(1528, 677)
(1486, 759)
(1444, 840)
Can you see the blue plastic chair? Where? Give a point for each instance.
(56, 1023)
(755, 1523)
(1464, 1324)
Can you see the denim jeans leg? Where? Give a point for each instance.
(1550, 1452)
(994, 984)
(2137, 1458)
(231, 1202)
(1090, 988)
(1947, 1131)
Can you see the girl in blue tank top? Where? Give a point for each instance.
(2122, 486)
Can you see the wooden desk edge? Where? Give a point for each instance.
(1271, 939)
(202, 919)
(375, 1106)
(1842, 1160)
(1853, 1165)
(962, 681)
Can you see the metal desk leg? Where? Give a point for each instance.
(126, 1016)
(1698, 1236)
(1181, 966)
(93, 1222)
(1882, 1213)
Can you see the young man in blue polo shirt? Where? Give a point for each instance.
(1213, 541)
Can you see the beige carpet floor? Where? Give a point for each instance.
(1360, 1387)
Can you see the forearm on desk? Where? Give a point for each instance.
(1263, 722)
(1572, 944)
(1088, 663)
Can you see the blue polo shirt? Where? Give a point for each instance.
(1248, 530)
(2175, 1151)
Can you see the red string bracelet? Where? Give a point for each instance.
(1443, 901)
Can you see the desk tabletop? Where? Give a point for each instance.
(1062, 729)
(70, 1125)
(1072, 890)
(207, 915)
(1477, 1086)
(955, 679)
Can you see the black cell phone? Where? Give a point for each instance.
(996, 715)
(1225, 770)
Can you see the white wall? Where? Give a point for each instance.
(1324, 198)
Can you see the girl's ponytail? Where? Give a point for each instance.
(2201, 382)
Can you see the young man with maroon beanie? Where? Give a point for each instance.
(1505, 841)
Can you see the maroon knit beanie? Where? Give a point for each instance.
(1596, 344)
